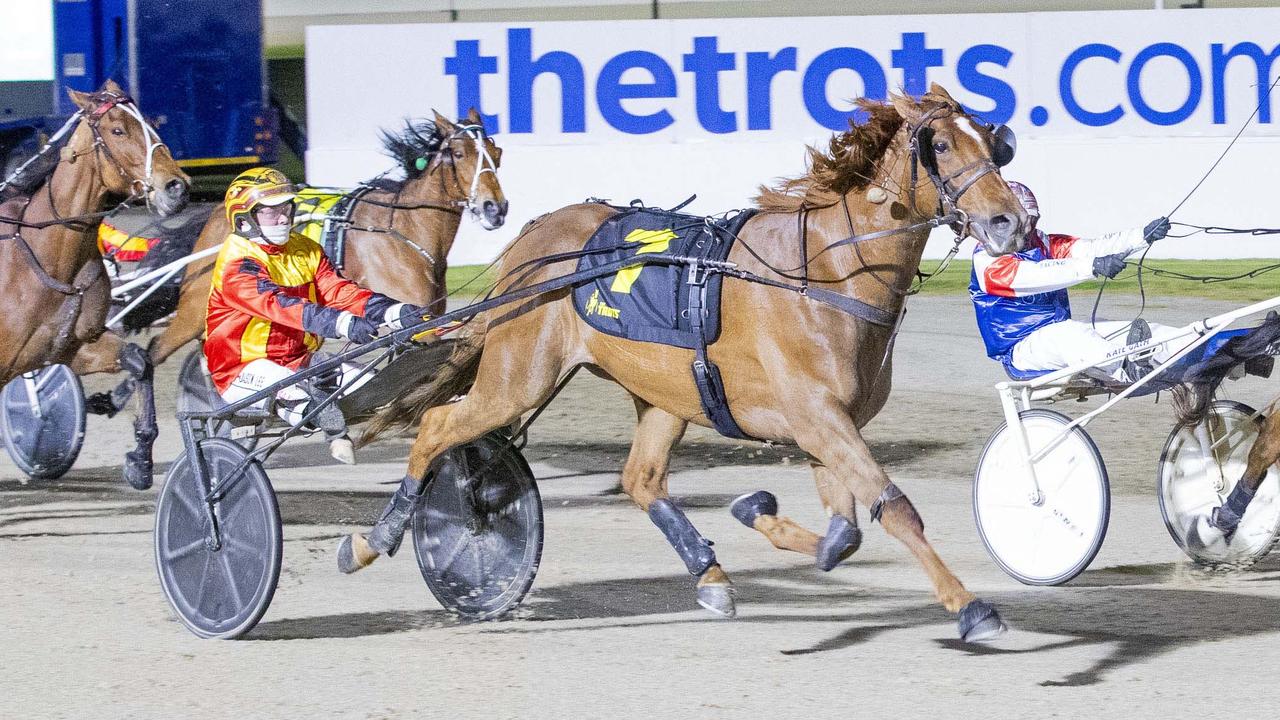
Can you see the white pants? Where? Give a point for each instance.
(291, 400)
(1070, 343)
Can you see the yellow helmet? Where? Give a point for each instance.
(259, 186)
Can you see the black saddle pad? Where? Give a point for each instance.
(650, 303)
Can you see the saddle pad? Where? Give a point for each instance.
(650, 302)
(322, 215)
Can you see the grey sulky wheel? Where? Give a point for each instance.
(223, 592)
(1199, 467)
(1049, 539)
(42, 418)
(478, 532)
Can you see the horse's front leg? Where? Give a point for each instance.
(826, 431)
(112, 354)
(759, 510)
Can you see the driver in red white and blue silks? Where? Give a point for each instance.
(274, 297)
(1023, 310)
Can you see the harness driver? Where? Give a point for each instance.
(275, 297)
(1023, 310)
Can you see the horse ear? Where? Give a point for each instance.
(941, 93)
(111, 87)
(907, 108)
(84, 101)
(473, 117)
(442, 122)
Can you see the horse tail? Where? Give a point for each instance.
(452, 377)
(1191, 401)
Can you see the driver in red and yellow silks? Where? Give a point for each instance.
(273, 300)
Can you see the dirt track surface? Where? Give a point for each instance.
(611, 628)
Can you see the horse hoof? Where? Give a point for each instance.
(843, 539)
(354, 554)
(718, 599)
(137, 472)
(980, 622)
(746, 508)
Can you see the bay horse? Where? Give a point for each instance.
(400, 233)
(50, 266)
(794, 370)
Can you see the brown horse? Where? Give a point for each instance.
(49, 261)
(794, 370)
(400, 234)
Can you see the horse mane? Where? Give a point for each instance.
(848, 163)
(416, 140)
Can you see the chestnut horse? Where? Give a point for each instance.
(50, 266)
(794, 370)
(400, 233)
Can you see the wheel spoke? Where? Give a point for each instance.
(173, 555)
(204, 583)
(231, 580)
(454, 552)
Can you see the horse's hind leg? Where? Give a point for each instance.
(509, 382)
(111, 353)
(1264, 453)
(759, 510)
(644, 480)
(829, 434)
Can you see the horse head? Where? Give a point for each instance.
(131, 159)
(961, 156)
(472, 158)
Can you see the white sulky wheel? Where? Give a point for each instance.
(1198, 469)
(1053, 540)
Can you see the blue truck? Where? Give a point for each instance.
(196, 68)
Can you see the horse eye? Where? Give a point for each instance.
(457, 154)
(939, 147)
(117, 131)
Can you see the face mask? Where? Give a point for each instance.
(275, 234)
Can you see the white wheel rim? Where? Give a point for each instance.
(1201, 466)
(1053, 540)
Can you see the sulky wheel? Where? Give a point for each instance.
(42, 416)
(478, 532)
(222, 592)
(1049, 541)
(1198, 469)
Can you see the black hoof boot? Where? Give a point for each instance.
(843, 539)
(746, 508)
(137, 470)
(389, 531)
(980, 622)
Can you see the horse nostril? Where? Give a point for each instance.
(175, 188)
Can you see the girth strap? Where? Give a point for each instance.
(705, 374)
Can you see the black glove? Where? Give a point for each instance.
(1156, 230)
(411, 315)
(361, 330)
(1109, 266)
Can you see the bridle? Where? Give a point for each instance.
(484, 164)
(139, 187)
(949, 194)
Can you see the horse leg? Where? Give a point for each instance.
(644, 480)
(829, 434)
(1264, 453)
(112, 354)
(759, 510)
(508, 383)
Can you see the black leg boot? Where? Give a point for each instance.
(356, 552)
